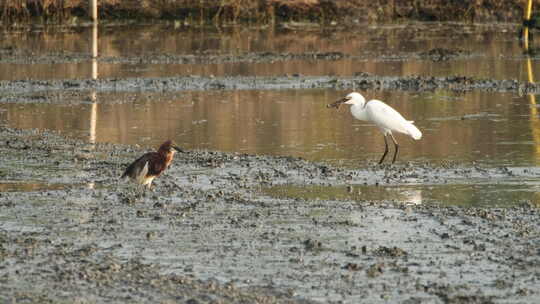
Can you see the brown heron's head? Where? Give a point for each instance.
(169, 147)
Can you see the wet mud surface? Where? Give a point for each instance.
(209, 233)
(237, 228)
(12, 55)
(40, 90)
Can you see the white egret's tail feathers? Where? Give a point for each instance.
(414, 132)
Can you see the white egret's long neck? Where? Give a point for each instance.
(358, 110)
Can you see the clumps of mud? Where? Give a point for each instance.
(19, 56)
(263, 57)
(391, 252)
(16, 56)
(10, 54)
(88, 271)
(441, 54)
(9, 90)
(208, 234)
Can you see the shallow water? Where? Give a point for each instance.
(491, 51)
(204, 223)
(488, 128)
(468, 194)
(497, 129)
(17, 186)
(472, 128)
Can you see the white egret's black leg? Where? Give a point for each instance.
(385, 150)
(396, 146)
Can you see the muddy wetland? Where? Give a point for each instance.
(278, 198)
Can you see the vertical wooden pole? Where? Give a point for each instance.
(93, 11)
(94, 42)
(93, 93)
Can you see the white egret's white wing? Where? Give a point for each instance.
(388, 119)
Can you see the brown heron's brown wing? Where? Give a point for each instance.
(135, 168)
(158, 164)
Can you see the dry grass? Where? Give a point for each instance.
(265, 11)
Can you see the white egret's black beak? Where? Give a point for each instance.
(337, 103)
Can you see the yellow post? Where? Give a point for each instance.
(526, 38)
(528, 11)
(527, 17)
(530, 76)
(534, 121)
(93, 11)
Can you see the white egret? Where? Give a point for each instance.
(382, 115)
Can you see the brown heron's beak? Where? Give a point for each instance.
(178, 149)
(337, 103)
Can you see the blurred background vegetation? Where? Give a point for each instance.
(264, 11)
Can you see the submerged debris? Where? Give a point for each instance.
(442, 54)
(392, 252)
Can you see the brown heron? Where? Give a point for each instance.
(151, 165)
